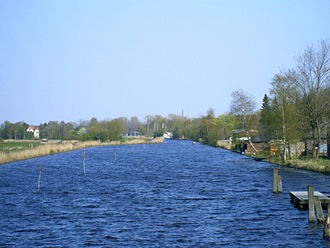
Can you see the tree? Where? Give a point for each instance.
(243, 106)
(266, 119)
(14, 130)
(176, 125)
(226, 123)
(285, 117)
(208, 128)
(133, 124)
(312, 84)
(96, 132)
(156, 125)
(115, 130)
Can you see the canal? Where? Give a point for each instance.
(173, 194)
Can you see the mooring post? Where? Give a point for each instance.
(39, 178)
(326, 231)
(318, 208)
(311, 206)
(279, 184)
(275, 178)
(84, 162)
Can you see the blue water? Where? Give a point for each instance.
(173, 194)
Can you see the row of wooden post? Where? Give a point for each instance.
(84, 167)
(314, 204)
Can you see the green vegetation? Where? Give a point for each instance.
(17, 146)
(14, 131)
(321, 165)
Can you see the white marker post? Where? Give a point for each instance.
(84, 163)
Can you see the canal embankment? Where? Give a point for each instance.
(15, 151)
(321, 165)
(264, 153)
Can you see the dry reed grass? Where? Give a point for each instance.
(65, 146)
(321, 165)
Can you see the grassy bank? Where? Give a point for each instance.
(44, 149)
(321, 165)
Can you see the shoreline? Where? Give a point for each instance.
(310, 164)
(67, 146)
(320, 165)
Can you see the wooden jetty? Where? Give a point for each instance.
(300, 199)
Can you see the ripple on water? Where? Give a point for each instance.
(164, 195)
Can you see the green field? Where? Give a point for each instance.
(16, 146)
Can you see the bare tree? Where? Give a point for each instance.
(285, 98)
(312, 85)
(243, 105)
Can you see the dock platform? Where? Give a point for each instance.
(300, 199)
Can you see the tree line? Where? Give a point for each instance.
(297, 108)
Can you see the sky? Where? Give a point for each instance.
(69, 60)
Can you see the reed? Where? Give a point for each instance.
(65, 146)
(43, 150)
(321, 165)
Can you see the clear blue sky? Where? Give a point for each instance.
(71, 60)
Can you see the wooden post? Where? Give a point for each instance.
(84, 162)
(326, 231)
(277, 182)
(328, 143)
(318, 208)
(39, 178)
(311, 205)
(275, 178)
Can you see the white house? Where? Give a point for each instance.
(168, 135)
(34, 130)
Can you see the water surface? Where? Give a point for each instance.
(173, 194)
